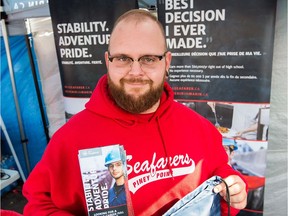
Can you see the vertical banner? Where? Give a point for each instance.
(222, 67)
(82, 31)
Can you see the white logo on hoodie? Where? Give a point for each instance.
(157, 169)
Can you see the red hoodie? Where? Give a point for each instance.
(173, 139)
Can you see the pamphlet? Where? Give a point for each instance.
(104, 172)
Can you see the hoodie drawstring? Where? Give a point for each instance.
(164, 146)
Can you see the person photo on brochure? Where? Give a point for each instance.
(116, 194)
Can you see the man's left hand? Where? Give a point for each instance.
(237, 190)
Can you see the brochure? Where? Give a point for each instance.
(104, 173)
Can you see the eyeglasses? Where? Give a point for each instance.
(146, 62)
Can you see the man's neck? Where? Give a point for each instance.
(120, 181)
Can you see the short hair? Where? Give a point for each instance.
(137, 16)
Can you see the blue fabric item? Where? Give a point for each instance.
(117, 196)
(29, 107)
(200, 202)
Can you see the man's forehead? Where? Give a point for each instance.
(116, 162)
(132, 33)
(123, 25)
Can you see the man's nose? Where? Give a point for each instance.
(136, 68)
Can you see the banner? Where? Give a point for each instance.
(220, 44)
(13, 6)
(221, 68)
(82, 31)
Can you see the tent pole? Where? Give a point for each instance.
(2, 124)
(24, 140)
(44, 121)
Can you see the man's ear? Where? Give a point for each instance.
(168, 59)
(106, 59)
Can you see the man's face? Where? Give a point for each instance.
(116, 169)
(227, 149)
(229, 152)
(136, 87)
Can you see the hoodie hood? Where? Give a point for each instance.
(102, 104)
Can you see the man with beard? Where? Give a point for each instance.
(170, 148)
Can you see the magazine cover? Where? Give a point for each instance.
(104, 173)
